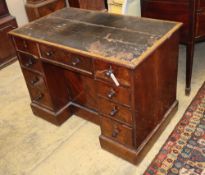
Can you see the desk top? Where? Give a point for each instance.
(123, 39)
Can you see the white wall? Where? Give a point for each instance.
(132, 7)
(17, 9)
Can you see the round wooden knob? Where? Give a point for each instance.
(39, 97)
(30, 63)
(115, 132)
(34, 81)
(75, 61)
(49, 53)
(114, 111)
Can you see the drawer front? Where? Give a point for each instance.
(116, 131)
(114, 111)
(200, 30)
(103, 71)
(34, 80)
(37, 89)
(74, 61)
(30, 62)
(26, 46)
(40, 98)
(119, 94)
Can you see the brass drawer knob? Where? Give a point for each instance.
(114, 111)
(115, 132)
(34, 81)
(30, 63)
(75, 61)
(111, 93)
(39, 97)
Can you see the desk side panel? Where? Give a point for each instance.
(155, 88)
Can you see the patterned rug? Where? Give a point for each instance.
(184, 151)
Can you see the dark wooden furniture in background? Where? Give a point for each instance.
(7, 23)
(89, 4)
(117, 71)
(191, 13)
(39, 8)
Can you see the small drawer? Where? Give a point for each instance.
(29, 62)
(74, 61)
(41, 98)
(116, 131)
(34, 80)
(114, 111)
(26, 46)
(117, 94)
(103, 71)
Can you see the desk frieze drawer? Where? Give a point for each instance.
(30, 62)
(119, 94)
(74, 61)
(115, 111)
(26, 46)
(105, 71)
(116, 131)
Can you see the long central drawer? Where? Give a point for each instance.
(73, 61)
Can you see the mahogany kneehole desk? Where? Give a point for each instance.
(117, 71)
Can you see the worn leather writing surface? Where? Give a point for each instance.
(107, 35)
